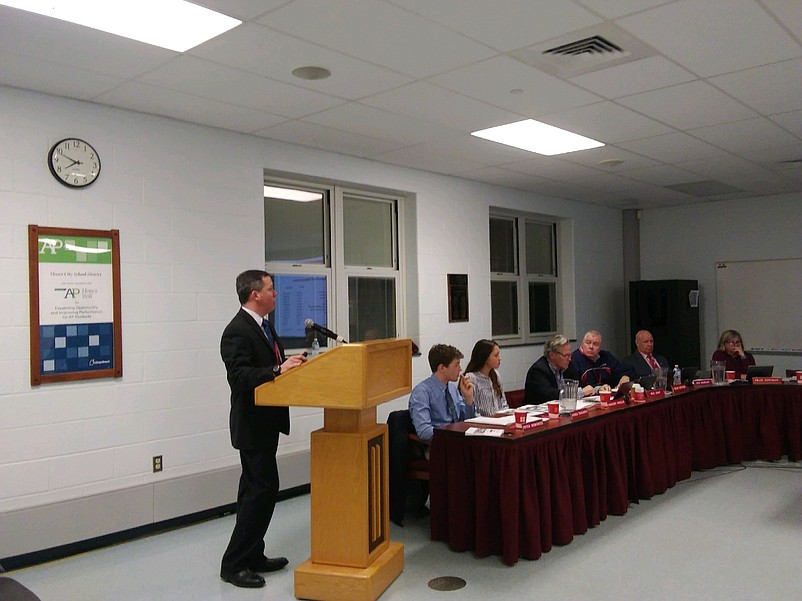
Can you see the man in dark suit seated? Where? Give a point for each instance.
(643, 361)
(597, 367)
(545, 378)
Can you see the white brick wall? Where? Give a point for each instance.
(187, 201)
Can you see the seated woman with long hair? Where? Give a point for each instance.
(731, 351)
(488, 396)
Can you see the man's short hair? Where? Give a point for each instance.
(443, 354)
(248, 281)
(553, 344)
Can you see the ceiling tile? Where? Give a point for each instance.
(273, 54)
(771, 89)
(421, 157)
(739, 136)
(688, 105)
(26, 34)
(504, 26)
(493, 80)
(447, 108)
(326, 138)
(710, 37)
(241, 9)
(36, 74)
(201, 78)
(672, 148)
(390, 36)
(370, 121)
(791, 121)
(631, 78)
(661, 175)
(170, 103)
(607, 122)
(612, 9)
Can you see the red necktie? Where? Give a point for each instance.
(652, 362)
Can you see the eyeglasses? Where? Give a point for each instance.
(563, 355)
(734, 342)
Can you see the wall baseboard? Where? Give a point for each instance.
(57, 530)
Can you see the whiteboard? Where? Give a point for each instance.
(763, 301)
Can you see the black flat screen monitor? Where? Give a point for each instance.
(761, 371)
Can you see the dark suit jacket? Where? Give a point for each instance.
(638, 364)
(249, 360)
(541, 385)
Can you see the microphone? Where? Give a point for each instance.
(597, 371)
(323, 330)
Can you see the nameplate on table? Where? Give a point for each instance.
(530, 425)
(653, 395)
(702, 382)
(679, 387)
(579, 413)
(612, 403)
(766, 380)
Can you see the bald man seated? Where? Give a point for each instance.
(643, 360)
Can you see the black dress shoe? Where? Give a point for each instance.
(270, 564)
(244, 578)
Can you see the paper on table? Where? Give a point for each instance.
(586, 402)
(496, 421)
(495, 432)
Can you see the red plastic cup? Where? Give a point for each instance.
(520, 417)
(799, 377)
(605, 396)
(730, 374)
(554, 409)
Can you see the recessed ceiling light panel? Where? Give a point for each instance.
(172, 24)
(538, 137)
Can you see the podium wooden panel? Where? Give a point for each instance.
(352, 558)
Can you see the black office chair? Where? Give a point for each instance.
(407, 462)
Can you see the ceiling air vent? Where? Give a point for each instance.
(584, 51)
(591, 45)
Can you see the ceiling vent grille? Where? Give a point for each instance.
(583, 51)
(592, 45)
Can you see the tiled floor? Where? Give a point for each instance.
(729, 534)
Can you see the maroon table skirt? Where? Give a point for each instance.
(517, 498)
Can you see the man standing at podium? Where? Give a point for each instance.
(253, 354)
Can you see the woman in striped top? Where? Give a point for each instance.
(488, 396)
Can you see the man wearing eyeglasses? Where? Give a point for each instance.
(545, 378)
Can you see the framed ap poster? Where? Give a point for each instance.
(74, 284)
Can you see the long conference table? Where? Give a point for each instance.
(518, 495)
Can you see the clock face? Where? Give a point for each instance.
(74, 163)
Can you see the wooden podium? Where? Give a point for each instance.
(352, 556)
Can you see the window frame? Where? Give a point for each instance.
(523, 279)
(334, 267)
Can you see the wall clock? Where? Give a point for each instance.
(74, 163)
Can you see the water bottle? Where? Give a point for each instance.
(315, 347)
(677, 378)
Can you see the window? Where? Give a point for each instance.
(336, 258)
(524, 283)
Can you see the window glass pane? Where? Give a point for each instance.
(371, 308)
(542, 307)
(300, 297)
(504, 308)
(294, 231)
(368, 229)
(502, 245)
(539, 248)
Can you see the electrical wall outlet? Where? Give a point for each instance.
(157, 463)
